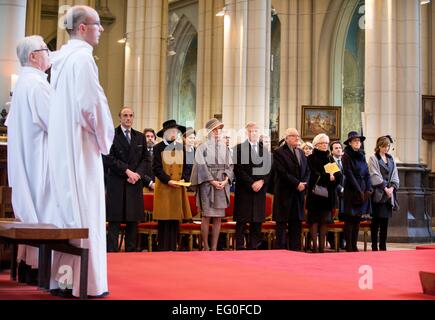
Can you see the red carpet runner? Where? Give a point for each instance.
(263, 275)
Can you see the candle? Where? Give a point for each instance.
(14, 79)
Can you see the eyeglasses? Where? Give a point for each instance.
(45, 49)
(98, 24)
(293, 135)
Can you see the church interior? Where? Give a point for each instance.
(368, 65)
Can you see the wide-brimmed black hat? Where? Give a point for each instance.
(170, 124)
(352, 135)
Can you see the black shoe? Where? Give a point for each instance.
(101, 296)
(61, 293)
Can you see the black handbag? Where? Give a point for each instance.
(320, 190)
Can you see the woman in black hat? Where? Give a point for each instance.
(171, 202)
(357, 190)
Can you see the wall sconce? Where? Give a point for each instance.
(222, 12)
(14, 79)
(123, 40)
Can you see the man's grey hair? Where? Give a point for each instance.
(74, 17)
(26, 46)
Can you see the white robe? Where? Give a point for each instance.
(28, 153)
(80, 130)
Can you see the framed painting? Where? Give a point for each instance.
(428, 113)
(321, 119)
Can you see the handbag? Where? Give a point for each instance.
(320, 190)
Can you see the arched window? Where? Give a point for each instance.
(182, 71)
(275, 71)
(353, 71)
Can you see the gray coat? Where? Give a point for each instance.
(212, 162)
(380, 175)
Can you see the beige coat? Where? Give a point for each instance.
(170, 203)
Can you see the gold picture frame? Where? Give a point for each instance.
(428, 118)
(321, 119)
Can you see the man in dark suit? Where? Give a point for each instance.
(150, 137)
(124, 194)
(336, 154)
(252, 164)
(292, 174)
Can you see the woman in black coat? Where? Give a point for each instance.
(357, 190)
(319, 207)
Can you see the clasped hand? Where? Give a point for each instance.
(219, 185)
(133, 177)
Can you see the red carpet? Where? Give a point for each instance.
(261, 275)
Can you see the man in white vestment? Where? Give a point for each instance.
(27, 140)
(80, 131)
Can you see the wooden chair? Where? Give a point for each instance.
(228, 227)
(268, 228)
(192, 229)
(149, 227)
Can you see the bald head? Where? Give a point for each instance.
(126, 116)
(83, 23)
(292, 137)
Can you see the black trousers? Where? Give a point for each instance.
(379, 226)
(351, 231)
(254, 235)
(130, 236)
(167, 235)
(294, 235)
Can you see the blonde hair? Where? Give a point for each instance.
(307, 144)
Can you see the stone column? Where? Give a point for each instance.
(13, 22)
(392, 85)
(210, 61)
(145, 61)
(33, 17)
(246, 64)
(393, 106)
(296, 18)
(64, 5)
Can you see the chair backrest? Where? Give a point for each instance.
(229, 211)
(269, 206)
(148, 202)
(192, 202)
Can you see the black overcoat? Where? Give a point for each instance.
(288, 203)
(125, 200)
(358, 182)
(249, 167)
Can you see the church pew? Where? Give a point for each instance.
(47, 238)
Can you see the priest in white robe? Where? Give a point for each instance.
(27, 140)
(80, 131)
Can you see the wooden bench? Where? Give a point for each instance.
(47, 238)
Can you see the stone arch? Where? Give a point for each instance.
(332, 46)
(185, 45)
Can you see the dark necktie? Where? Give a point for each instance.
(297, 155)
(127, 135)
(339, 164)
